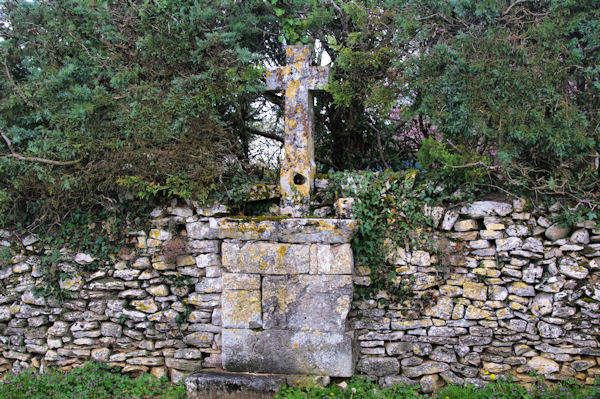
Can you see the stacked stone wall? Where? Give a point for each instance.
(156, 308)
(511, 293)
(507, 292)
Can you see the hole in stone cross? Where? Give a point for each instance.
(299, 179)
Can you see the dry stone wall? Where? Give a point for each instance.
(156, 308)
(199, 290)
(512, 293)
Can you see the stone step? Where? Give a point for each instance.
(228, 385)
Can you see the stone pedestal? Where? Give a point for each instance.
(287, 291)
(223, 385)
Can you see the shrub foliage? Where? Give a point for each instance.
(166, 97)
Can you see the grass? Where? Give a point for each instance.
(499, 389)
(92, 381)
(98, 381)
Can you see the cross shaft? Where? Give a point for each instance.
(298, 80)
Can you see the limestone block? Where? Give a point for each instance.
(223, 385)
(127, 274)
(203, 300)
(427, 368)
(475, 313)
(421, 258)
(491, 234)
(508, 244)
(202, 231)
(581, 236)
(147, 305)
(241, 309)
(83, 259)
(344, 208)
(542, 304)
(331, 259)
(306, 302)
(188, 353)
(431, 383)
(182, 364)
(111, 329)
(442, 309)
(411, 324)
(379, 366)
(161, 235)
(541, 365)
(556, 232)
(450, 218)
(570, 268)
(533, 244)
(466, 225)
(209, 285)
(265, 258)
(517, 230)
(199, 339)
(141, 263)
(521, 289)
(497, 293)
(289, 230)
(476, 291)
(548, 330)
(480, 209)
(206, 260)
(408, 348)
(288, 352)
(240, 281)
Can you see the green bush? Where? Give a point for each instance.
(93, 381)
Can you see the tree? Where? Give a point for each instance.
(165, 96)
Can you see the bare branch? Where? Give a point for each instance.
(8, 143)
(41, 160)
(473, 164)
(512, 5)
(265, 134)
(20, 157)
(379, 146)
(280, 139)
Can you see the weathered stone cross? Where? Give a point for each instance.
(299, 78)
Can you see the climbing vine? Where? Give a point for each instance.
(391, 208)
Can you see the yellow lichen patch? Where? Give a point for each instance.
(71, 284)
(291, 123)
(241, 308)
(292, 88)
(159, 266)
(284, 71)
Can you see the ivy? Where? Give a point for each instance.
(390, 208)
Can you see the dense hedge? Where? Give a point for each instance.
(166, 97)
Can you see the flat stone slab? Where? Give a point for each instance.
(288, 352)
(306, 302)
(289, 230)
(265, 258)
(224, 385)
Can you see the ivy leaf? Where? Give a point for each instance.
(279, 11)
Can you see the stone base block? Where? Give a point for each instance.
(288, 352)
(224, 385)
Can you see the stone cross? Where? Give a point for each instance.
(298, 79)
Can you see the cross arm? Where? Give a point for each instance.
(318, 77)
(277, 78)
